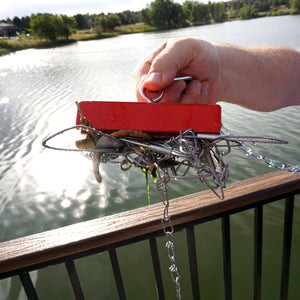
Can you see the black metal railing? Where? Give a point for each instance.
(223, 214)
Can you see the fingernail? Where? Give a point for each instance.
(154, 77)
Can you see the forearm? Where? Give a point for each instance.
(260, 78)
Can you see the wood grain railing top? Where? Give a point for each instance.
(54, 244)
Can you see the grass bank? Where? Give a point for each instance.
(22, 42)
(9, 45)
(86, 35)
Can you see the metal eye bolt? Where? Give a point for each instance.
(159, 97)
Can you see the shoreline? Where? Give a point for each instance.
(14, 44)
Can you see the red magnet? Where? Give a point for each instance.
(162, 119)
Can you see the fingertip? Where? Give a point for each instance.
(153, 81)
(155, 77)
(157, 80)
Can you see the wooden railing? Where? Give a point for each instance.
(64, 245)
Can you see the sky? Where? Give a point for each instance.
(23, 8)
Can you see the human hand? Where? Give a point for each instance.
(181, 57)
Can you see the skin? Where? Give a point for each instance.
(258, 78)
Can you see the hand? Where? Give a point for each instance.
(181, 57)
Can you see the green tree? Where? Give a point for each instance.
(232, 13)
(18, 22)
(217, 11)
(81, 22)
(163, 13)
(261, 5)
(68, 24)
(196, 12)
(45, 26)
(99, 21)
(235, 4)
(52, 27)
(107, 22)
(177, 15)
(128, 17)
(295, 5)
(247, 12)
(188, 10)
(145, 15)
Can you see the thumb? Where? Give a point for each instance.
(158, 80)
(173, 58)
(163, 69)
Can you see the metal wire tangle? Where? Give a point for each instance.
(189, 155)
(183, 157)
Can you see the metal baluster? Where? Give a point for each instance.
(28, 286)
(193, 261)
(117, 273)
(74, 279)
(226, 257)
(258, 217)
(156, 268)
(287, 242)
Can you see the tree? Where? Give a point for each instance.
(247, 12)
(188, 10)
(233, 13)
(196, 12)
(295, 4)
(45, 26)
(163, 13)
(107, 22)
(145, 15)
(177, 15)
(52, 27)
(261, 5)
(17, 22)
(81, 22)
(160, 13)
(235, 4)
(217, 11)
(202, 14)
(128, 17)
(26, 23)
(68, 24)
(113, 20)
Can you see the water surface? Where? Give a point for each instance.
(42, 189)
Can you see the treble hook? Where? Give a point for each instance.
(158, 98)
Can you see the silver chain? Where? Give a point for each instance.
(161, 185)
(249, 151)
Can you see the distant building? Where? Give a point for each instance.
(7, 29)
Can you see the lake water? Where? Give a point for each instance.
(42, 189)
